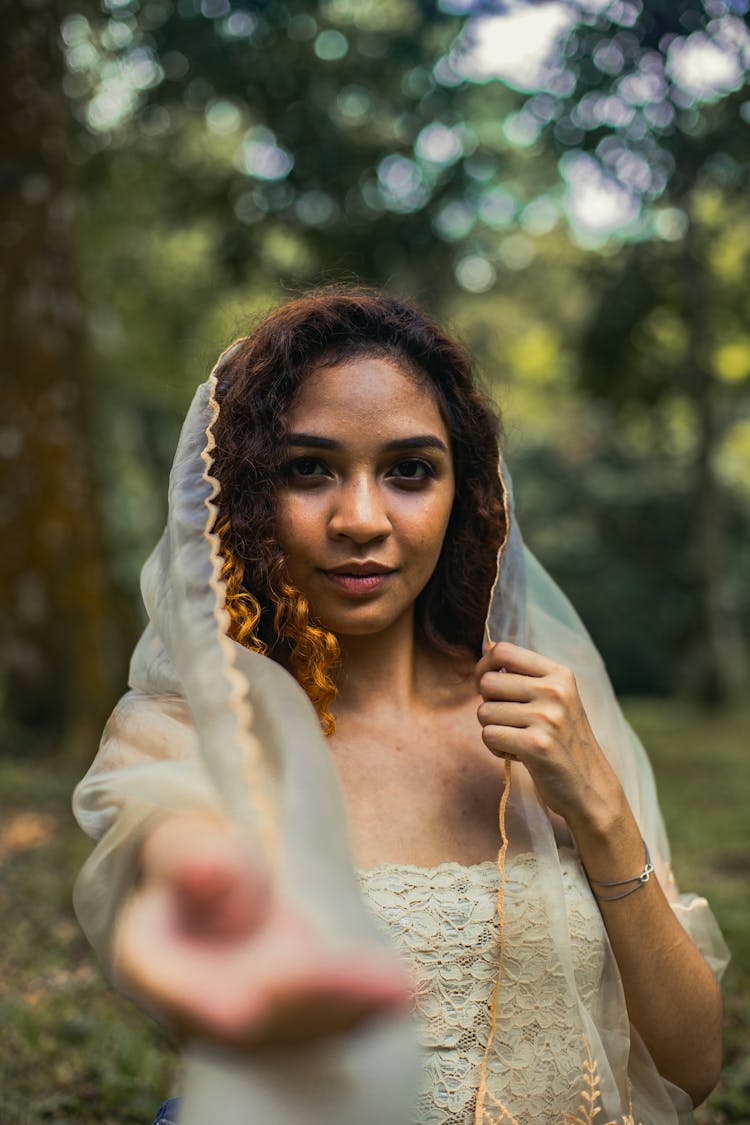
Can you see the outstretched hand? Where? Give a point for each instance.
(531, 711)
(205, 945)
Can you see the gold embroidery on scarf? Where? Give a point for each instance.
(258, 792)
(482, 1091)
(588, 1113)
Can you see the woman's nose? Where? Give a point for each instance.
(359, 512)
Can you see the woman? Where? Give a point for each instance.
(335, 506)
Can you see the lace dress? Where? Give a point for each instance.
(443, 921)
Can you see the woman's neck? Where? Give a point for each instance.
(394, 672)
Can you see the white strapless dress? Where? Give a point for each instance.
(443, 920)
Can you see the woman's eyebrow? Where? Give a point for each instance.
(313, 441)
(418, 441)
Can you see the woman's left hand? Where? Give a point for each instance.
(532, 711)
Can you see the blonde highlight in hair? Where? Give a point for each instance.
(244, 610)
(313, 652)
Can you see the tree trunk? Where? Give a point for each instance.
(717, 648)
(57, 633)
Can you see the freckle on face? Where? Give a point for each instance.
(357, 509)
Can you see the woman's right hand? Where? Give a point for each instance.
(204, 944)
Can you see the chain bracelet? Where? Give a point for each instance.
(639, 880)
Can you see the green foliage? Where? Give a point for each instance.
(617, 532)
(227, 155)
(306, 123)
(636, 93)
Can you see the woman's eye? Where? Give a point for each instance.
(412, 469)
(305, 467)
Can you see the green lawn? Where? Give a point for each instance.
(73, 1051)
(702, 766)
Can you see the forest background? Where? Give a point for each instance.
(564, 184)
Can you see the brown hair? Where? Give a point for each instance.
(256, 384)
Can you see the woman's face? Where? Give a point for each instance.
(366, 493)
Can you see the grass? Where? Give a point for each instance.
(701, 765)
(76, 1052)
(73, 1050)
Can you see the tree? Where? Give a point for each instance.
(669, 136)
(57, 637)
(678, 320)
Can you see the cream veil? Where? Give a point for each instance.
(209, 724)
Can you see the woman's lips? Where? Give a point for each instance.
(358, 584)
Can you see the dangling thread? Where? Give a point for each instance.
(500, 907)
(500, 902)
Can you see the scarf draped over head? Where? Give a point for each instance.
(208, 724)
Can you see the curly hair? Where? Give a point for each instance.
(255, 388)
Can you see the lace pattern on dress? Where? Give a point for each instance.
(443, 920)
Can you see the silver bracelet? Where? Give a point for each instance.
(639, 880)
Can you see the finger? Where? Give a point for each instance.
(215, 884)
(506, 685)
(504, 742)
(514, 659)
(221, 901)
(493, 714)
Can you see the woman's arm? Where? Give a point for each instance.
(672, 996)
(183, 914)
(532, 711)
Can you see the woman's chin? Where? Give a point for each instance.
(362, 620)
